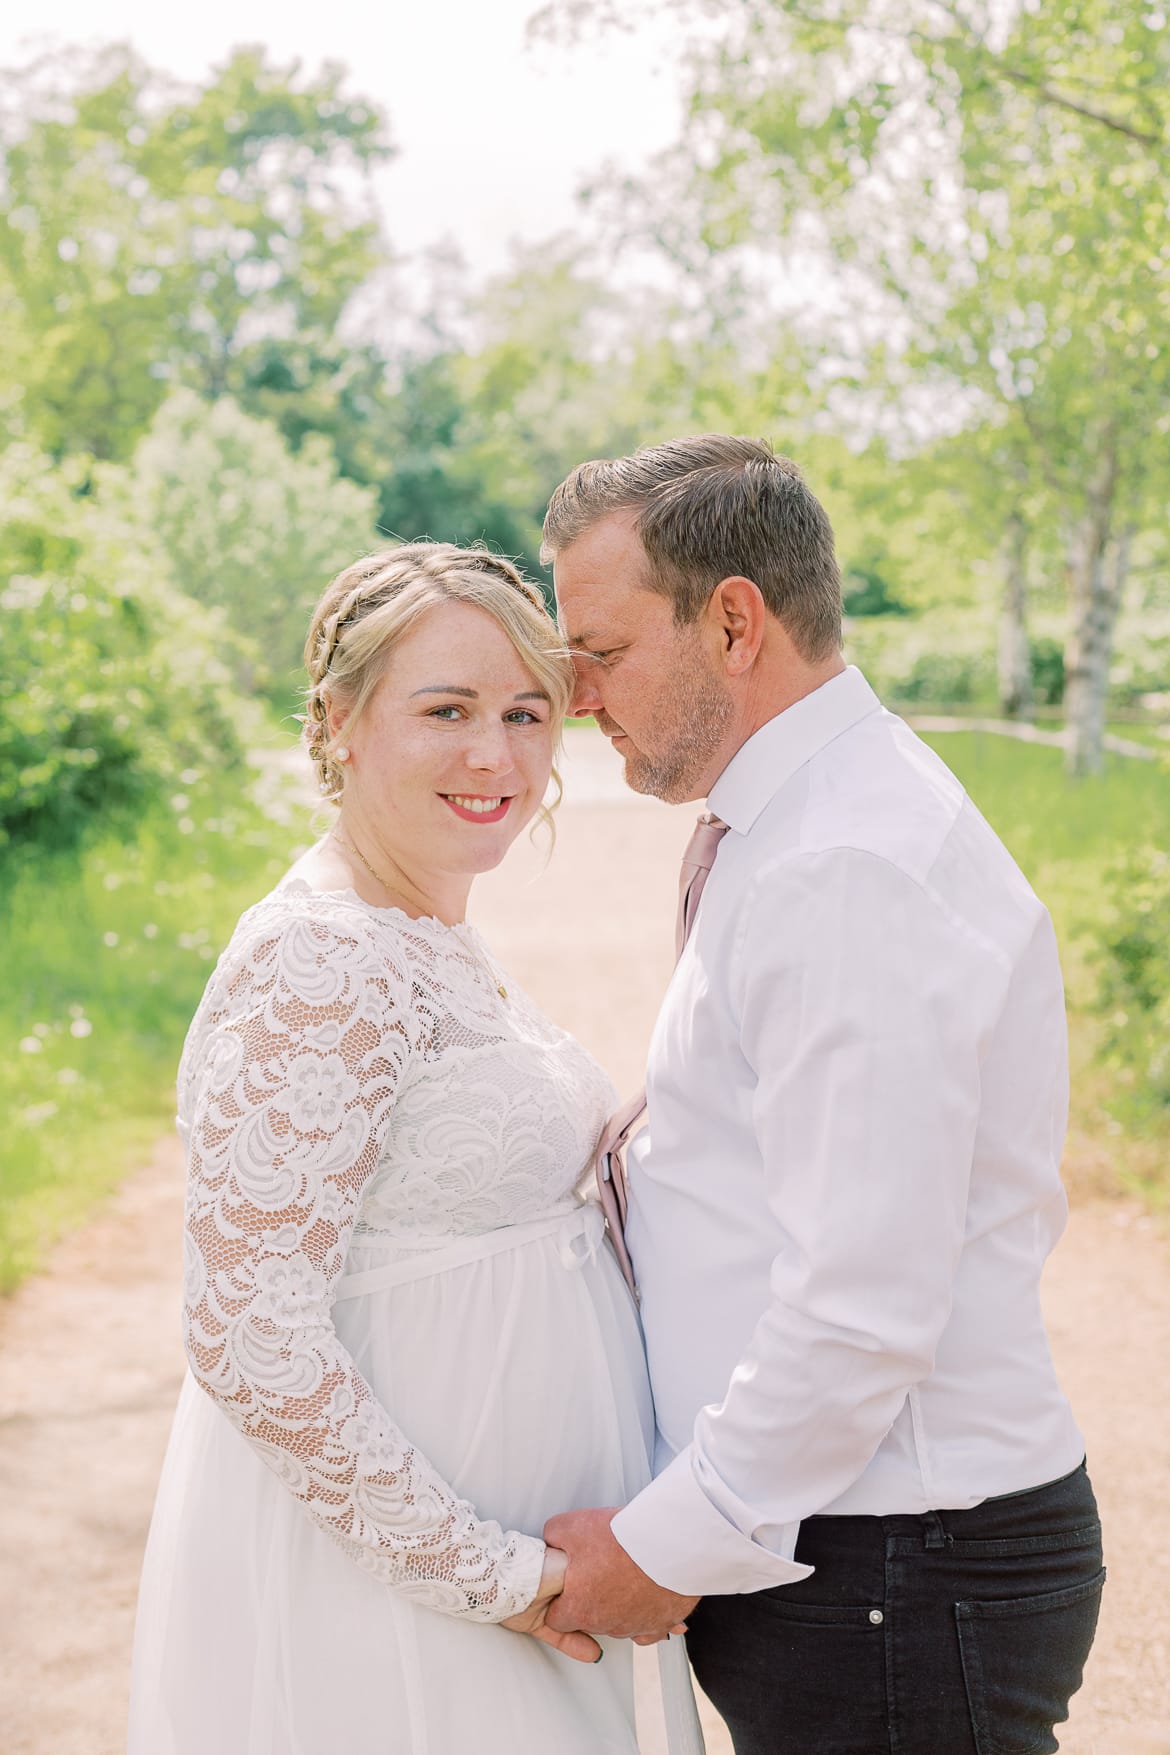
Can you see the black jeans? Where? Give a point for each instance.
(950, 1633)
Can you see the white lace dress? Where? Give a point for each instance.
(408, 1346)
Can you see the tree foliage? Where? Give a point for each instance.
(247, 525)
(159, 547)
(113, 684)
(1135, 983)
(158, 234)
(178, 270)
(985, 191)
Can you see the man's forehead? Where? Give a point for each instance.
(594, 616)
(592, 604)
(608, 547)
(598, 591)
(597, 607)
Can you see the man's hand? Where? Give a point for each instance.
(604, 1591)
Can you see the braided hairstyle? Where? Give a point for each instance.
(369, 606)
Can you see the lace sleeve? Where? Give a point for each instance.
(292, 1080)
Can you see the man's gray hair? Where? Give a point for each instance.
(710, 508)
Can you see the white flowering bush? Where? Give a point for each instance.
(112, 684)
(249, 525)
(949, 655)
(943, 656)
(1141, 658)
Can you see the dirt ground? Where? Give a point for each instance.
(90, 1360)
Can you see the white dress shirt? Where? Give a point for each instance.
(839, 1211)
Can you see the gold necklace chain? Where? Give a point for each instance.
(390, 889)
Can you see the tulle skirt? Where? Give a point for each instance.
(517, 1368)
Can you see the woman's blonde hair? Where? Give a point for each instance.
(367, 609)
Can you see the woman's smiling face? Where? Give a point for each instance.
(451, 756)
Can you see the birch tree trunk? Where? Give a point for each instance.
(1098, 580)
(1015, 652)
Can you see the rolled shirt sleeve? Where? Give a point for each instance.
(863, 1008)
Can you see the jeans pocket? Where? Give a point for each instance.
(1023, 1659)
(1025, 1547)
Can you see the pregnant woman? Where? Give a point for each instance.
(409, 1343)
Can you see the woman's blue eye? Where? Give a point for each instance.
(519, 715)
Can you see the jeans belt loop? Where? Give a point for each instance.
(934, 1533)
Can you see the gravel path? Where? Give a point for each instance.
(90, 1359)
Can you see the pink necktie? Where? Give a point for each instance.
(609, 1163)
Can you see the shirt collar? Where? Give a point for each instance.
(773, 754)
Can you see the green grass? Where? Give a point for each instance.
(1152, 735)
(1068, 836)
(1042, 814)
(105, 961)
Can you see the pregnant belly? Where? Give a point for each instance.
(519, 1373)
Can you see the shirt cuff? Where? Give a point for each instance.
(681, 1540)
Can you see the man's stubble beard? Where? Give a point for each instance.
(702, 710)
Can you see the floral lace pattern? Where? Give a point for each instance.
(351, 1072)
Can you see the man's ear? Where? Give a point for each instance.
(738, 616)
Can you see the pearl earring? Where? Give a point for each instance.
(342, 752)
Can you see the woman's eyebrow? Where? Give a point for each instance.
(473, 694)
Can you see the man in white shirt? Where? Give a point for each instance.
(840, 1208)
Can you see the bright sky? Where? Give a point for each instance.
(493, 137)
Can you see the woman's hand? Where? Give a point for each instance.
(532, 1619)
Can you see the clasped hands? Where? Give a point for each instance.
(591, 1586)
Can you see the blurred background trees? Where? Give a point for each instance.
(983, 192)
(248, 525)
(923, 248)
(160, 235)
(112, 682)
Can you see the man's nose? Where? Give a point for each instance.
(585, 698)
